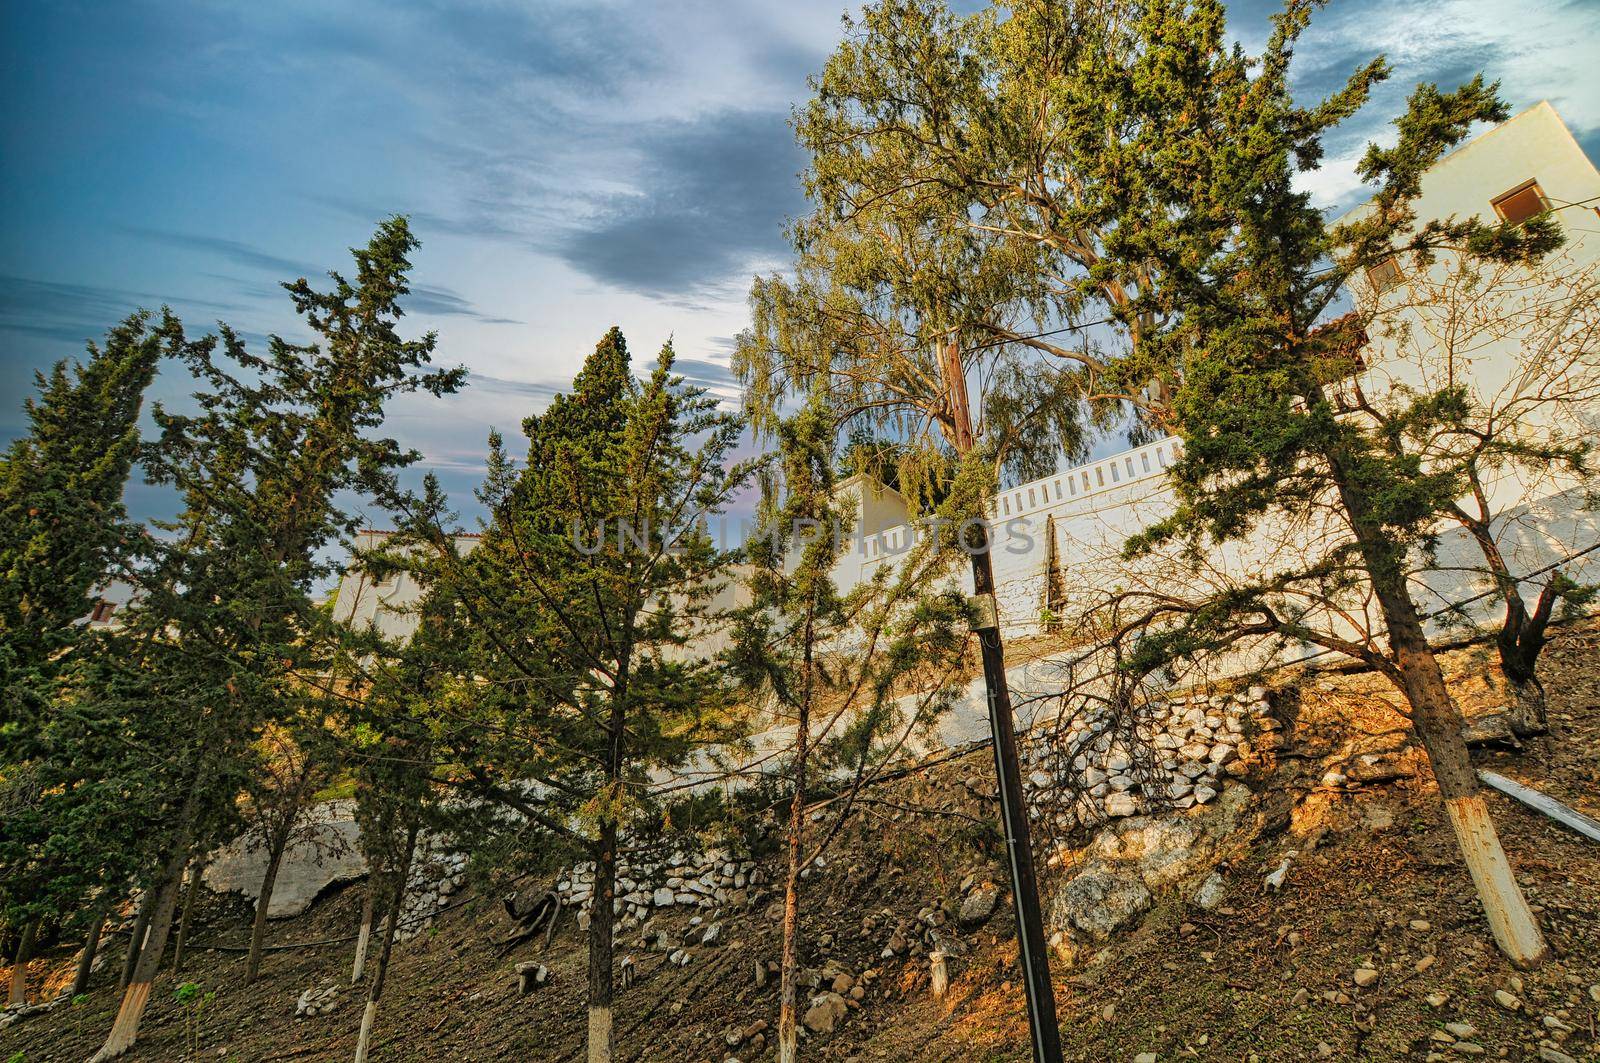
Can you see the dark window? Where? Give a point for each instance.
(1385, 275)
(1521, 203)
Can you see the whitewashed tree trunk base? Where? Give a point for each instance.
(1515, 929)
(599, 1035)
(126, 1027)
(368, 1015)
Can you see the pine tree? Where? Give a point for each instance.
(227, 620)
(63, 535)
(581, 608)
(854, 676)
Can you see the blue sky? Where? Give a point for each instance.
(568, 165)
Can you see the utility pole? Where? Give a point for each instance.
(1007, 766)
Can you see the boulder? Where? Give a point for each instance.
(1100, 900)
(323, 854)
(978, 906)
(825, 1012)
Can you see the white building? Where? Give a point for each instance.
(387, 605)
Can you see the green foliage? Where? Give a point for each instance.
(63, 534)
(192, 1001)
(569, 673)
(63, 531)
(837, 668)
(1235, 273)
(153, 737)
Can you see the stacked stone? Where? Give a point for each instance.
(709, 879)
(1174, 758)
(313, 1001)
(432, 881)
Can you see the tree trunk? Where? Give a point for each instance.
(125, 1031)
(141, 930)
(1437, 720)
(179, 951)
(91, 945)
(1438, 723)
(396, 900)
(19, 969)
(1522, 635)
(258, 931)
(1522, 638)
(601, 943)
(788, 1030)
(364, 935)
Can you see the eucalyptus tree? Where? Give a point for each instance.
(1244, 272)
(580, 614)
(63, 535)
(856, 676)
(227, 618)
(901, 302)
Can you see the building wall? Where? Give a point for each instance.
(365, 604)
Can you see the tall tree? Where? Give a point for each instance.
(582, 607)
(855, 676)
(63, 535)
(1243, 270)
(227, 616)
(904, 300)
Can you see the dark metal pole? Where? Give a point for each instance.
(1007, 766)
(1014, 815)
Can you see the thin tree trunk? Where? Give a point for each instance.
(91, 945)
(788, 1030)
(364, 935)
(602, 921)
(197, 874)
(1522, 635)
(258, 931)
(602, 945)
(369, 1014)
(19, 969)
(141, 930)
(125, 1031)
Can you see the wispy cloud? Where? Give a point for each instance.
(240, 254)
(444, 302)
(75, 313)
(1548, 50)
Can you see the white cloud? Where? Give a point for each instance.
(1540, 50)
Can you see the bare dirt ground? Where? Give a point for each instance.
(1268, 976)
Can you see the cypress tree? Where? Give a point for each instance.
(63, 535)
(580, 608)
(228, 621)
